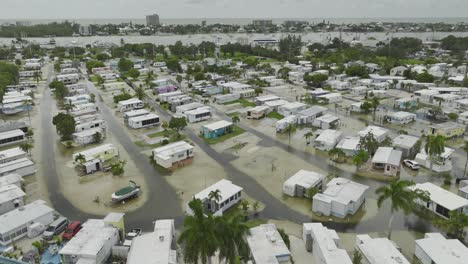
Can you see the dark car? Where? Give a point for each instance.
(71, 230)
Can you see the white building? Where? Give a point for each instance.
(84, 109)
(434, 248)
(291, 108)
(135, 113)
(379, 250)
(388, 160)
(11, 154)
(378, 133)
(181, 109)
(143, 121)
(87, 136)
(274, 105)
(173, 155)
(158, 246)
(15, 224)
(282, 125)
(11, 197)
(307, 116)
(11, 137)
(198, 115)
(230, 195)
(11, 179)
(227, 98)
(298, 184)
(22, 167)
(330, 98)
(234, 87)
(442, 202)
(267, 246)
(68, 78)
(340, 198)
(324, 244)
(359, 90)
(326, 121)
(442, 163)
(99, 123)
(349, 145)
(130, 104)
(406, 144)
(257, 112)
(327, 139)
(92, 244)
(401, 117)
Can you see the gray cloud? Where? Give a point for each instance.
(51, 9)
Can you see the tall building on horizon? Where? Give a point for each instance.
(152, 20)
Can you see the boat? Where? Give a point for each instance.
(52, 41)
(125, 193)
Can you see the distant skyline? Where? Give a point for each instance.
(199, 9)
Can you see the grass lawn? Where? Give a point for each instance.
(236, 131)
(233, 114)
(167, 133)
(94, 78)
(275, 115)
(253, 220)
(243, 102)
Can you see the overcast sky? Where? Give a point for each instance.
(51, 9)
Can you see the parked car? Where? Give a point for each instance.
(131, 235)
(71, 230)
(57, 227)
(411, 164)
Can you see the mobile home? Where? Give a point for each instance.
(130, 104)
(173, 155)
(199, 114)
(12, 137)
(143, 121)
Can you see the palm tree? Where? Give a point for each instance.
(118, 167)
(357, 257)
(375, 103)
(455, 224)
(199, 235)
(235, 119)
(435, 146)
(337, 155)
(465, 148)
(290, 128)
(37, 76)
(307, 136)
(401, 198)
(245, 207)
(360, 158)
(140, 92)
(311, 192)
(26, 147)
(215, 196)
(80, 158)
(255, 207)
(68, 106)
(231, 233)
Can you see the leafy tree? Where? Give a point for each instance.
(465, 149)
(61, 91)
(179, 78)
(250, 61)
(285, 237)
(122, 97)
(255, 207)
(177, 123)
(311, 192)
(366, 107)
(455, 224)
(360, 158)
(80, 158)
(133, 73)
(99, 80)
(117, 168)
(97, 137)
(424, 77)
(315, 80)
(308, 136)
(65, 125)
(125, 65)
(102, 57)
(140, 93)
(283, 73)
(94, 64)
(258, 91)
(290, 46)
(368, 143)
(434, 147)
(452, 116)
(401, 197)
(245, 206)
(173, 65)
(357, 70)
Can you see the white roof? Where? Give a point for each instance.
(329, 136)
(442, 250)
(226, 188)
(89, 153)
(10, 193)
(155, 247)
(348, 143)
(293, 105)
(166, 152)
(269, 97)
(194, 105)
(405, 99)
(266, 244)
(305, 178)
(387, 155)
(143, 117)
(22, 216)
(90, 239)
(130, 101)
(136, 112)
(441, 196)
(11, 133)
(259, 108)
(10, 179)
(327, 118)
(9, 153)
(401, 114)
(380, 250)
(330, 95)
(405, 141)
(15, 164)
(316, 109)
(326, 240)
(376, 131)
(217, 125)
(343, 191)
(276, 103)
(200, 110)
(88, 132)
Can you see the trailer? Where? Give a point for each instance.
(143, 121)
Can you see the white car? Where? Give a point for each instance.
(411, 164)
